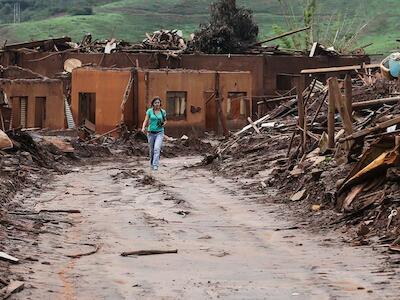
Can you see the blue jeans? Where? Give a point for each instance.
(155, 144)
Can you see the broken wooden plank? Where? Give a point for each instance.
(348, 87)
(247, 127)
(13, 287)
(148, 252)
(67, 211)
(331, 117)
(299, 195)
(369, 103)
(364, 132)
(340, 69)
(300, 85)
(35, 44)
(341, 105)
(355, 191)
(6, 257)
(253, 125)
(282, 36)
(105, 134)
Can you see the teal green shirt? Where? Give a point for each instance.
(155, 119)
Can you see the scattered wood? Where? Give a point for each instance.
(103, 135)
(67, 211)
(12, 288)
(253, 125)
(79, 255)
(6, 257)
(352, 195)
(246, 128)
(148, 252)
(299, 195)
(370, 103)
(371, 130)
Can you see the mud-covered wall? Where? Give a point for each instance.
(52, 90)
(199, 87)
(157, 83)
(109, 86)
(230, 63)
(238, 82)
(263, 67)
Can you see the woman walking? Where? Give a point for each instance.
(156, 119)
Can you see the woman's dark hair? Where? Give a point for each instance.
(155, 99)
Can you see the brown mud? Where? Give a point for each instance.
(232, 243)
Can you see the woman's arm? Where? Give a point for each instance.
(165, 117)
(145, 122)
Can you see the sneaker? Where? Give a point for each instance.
(155, 168)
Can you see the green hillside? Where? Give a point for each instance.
(130, 19)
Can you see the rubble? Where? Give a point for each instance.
(350, 182)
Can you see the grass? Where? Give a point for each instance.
(130, 19)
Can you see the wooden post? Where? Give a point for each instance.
(331, 115)
(349, 95)
(300, 87)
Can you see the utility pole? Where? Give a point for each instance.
(17, 12)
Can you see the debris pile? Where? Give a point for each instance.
(165, 40)
(332, 152)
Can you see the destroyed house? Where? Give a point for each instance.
(98, 96)
(33, 101)
(272, 74)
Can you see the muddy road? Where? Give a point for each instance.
(229, 245)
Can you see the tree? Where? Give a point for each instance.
(231, 29)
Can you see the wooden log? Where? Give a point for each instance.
(148, 252)
(369, 103)
(349, 94)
